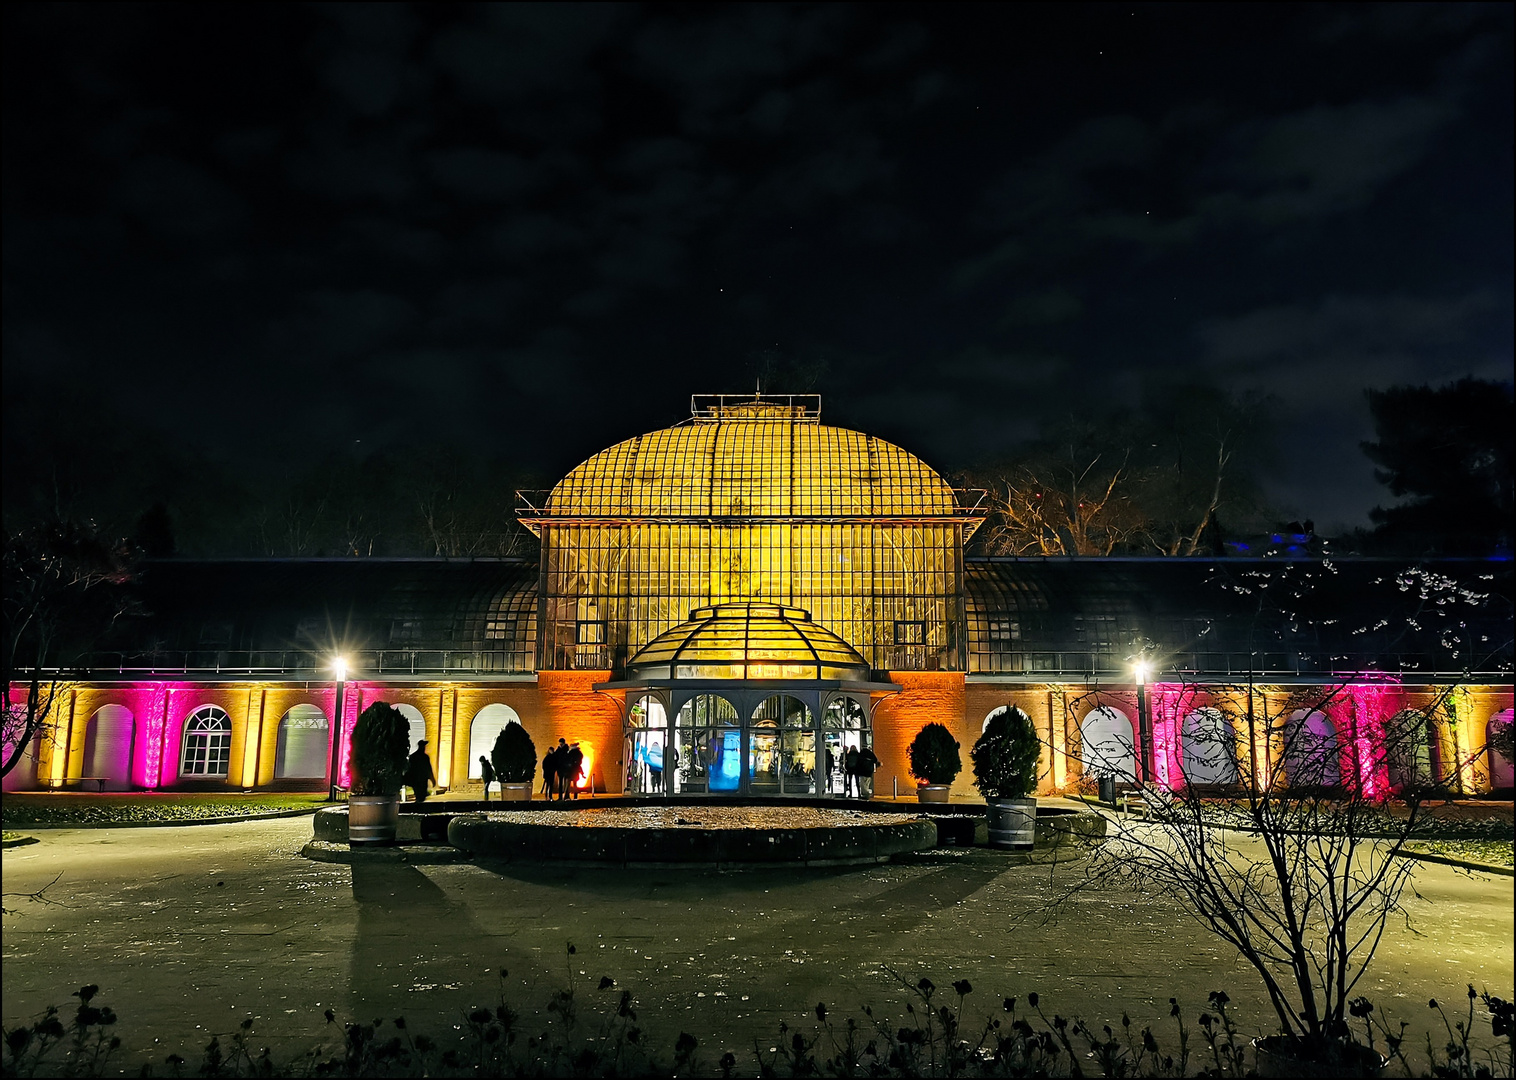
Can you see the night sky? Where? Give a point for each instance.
(253, 236)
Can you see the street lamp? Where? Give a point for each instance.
(339, 673)
(1144, 724)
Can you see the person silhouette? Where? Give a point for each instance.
(487, 771)
(418, 772)
(575, 770)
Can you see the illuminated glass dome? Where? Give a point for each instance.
(752, 458)
(748, 641)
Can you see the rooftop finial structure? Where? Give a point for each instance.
(755, 406)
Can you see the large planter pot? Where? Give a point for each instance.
(372, 820)
(933, 792)
(1013, 823)
(1286, 1055)
(516, 792)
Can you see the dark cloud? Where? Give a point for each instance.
(541, 227)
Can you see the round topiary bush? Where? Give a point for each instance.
(1005, 757)
(514, 756)
(381, 743)
(934, 755)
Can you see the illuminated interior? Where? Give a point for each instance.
(752, 500)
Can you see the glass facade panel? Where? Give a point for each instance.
(753, 501)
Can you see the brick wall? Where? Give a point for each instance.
(924, 696)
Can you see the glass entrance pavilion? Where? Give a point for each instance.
(764, 701)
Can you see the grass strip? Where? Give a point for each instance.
(17, 809)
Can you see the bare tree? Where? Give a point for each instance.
(62, 595)
(1155, 483)
(1075, 500)
(1276, 816)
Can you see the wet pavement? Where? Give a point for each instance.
(189, 930)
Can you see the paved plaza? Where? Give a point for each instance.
(189, 930)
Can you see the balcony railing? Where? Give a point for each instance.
(301, 664)
(1213, 665)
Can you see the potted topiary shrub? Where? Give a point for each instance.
(381, 741)
(515, 761)
(934, 762)
(1005, 772)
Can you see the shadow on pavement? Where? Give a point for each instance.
(399, 907)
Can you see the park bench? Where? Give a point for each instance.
(71, 781)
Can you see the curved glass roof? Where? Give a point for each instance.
(753, 458)
(748, 641)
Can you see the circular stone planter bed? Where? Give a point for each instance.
(710, 835)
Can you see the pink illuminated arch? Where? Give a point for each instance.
(1500, 765)
(1312, 756)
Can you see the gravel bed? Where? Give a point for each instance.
(696, 817)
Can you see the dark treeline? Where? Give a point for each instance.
(1181, 473)
(192, 495)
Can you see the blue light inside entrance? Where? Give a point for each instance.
(728, 763)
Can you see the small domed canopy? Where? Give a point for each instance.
(749, 641)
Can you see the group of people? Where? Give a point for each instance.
(562, 769)
(858, 765)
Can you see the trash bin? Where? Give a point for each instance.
(1108, 790)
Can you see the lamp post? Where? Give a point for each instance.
(1145, 724)
(339, 670)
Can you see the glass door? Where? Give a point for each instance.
(707, 749)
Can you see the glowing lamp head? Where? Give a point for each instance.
(339, 668)
(1141, 669)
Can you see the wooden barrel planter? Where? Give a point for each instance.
(372, 820)
(1013, 823)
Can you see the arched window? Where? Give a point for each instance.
(1407, 750)
(108, 746)
(303, 742)
(845, 728)
(1207, 748)
(417, 724)
(1311, 755)
(646, 734)
(207, 743)
(782, 747)
(488, 723)
(1001, 711)
(709, 739)
(1106, 734)
(1497, 734)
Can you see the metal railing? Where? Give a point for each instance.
(302, 664)
(1211, 665)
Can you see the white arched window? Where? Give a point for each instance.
(1208, 748)
(304, 739)
(488, 723)
(207, 743)
(108, 746)
(1499, 764)
(1106, 734)
(1311, 755)
(1001, 711)
(416, 722)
